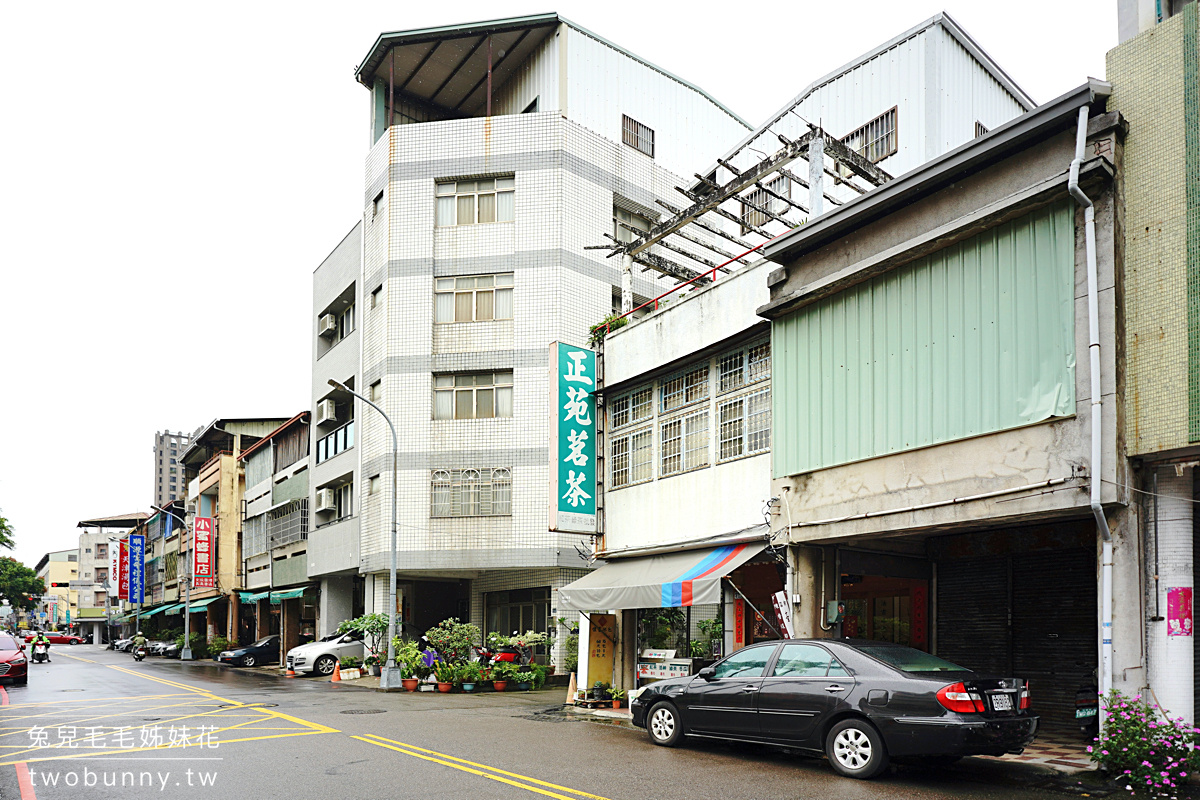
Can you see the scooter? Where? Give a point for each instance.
(1087, 708)
(41, 652)
(140, 652)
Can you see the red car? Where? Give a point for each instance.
(57, 638)
(13, 663)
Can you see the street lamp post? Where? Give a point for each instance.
(389, 677)
(186, 653)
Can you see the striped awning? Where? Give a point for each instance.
(686, 578)
(174, 608)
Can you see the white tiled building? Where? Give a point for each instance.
(473, 261)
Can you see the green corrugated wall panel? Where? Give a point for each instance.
(977, 337)
(293, 488)
(289, 571)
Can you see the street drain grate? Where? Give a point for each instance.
(72, 690)
(248, 705)
(365, 711)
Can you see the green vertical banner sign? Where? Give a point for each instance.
(572, 439)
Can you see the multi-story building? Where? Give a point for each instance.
(97, 597)
(58, 571)
(215, 491)
(481, 198)
(168, 472)
(1156, 86)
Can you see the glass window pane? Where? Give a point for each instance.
(748, 663)
(464, 404)
(466, 186)
(466, 210)
(504, 280)
(504, 378)
(445, 211)
(464, 380)
(462, 306)
(464, 283)
(443, 405)
(443, 380)
(486, 185)
(504, 304)
(484, 281)
(487, 208)
(444, 189)
(483, 404)
(483, 305)
(445, 284)
(802, 661)
(504, 401)
(444, 307)
(505, 207)
(505, 183)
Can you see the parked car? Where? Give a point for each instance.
(323, 655)
(57, 637)
(172, 650)
(157, 648)
(264, 651)
(859, 702)
(14, 665)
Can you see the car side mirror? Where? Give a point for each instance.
(708, 673)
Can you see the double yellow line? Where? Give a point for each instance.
(482, 770)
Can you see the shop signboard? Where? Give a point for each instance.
(137, 568)
(202, 555)
(739, 624)
(1179, 611)
(601, 635)
(661, 670)
(114, 566)
(572, 439)
(123, 590)
(783, 614)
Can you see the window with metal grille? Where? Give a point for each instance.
(471, 492)
(473, 395)
(632, 456)
(876, 140)
(632, 407)
(624, 220)
(637, 135)
(744, 425)
(475, 202)
(684, 444)
(478, 298)
(289, 523)
(689, 387)
(254, 536)
(736, 370)
(769, 200)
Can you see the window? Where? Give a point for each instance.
(980, 129)
(376, 204)
(689, 387)
(750, 662)
(768, 199)
(373, 485)
(474, 299)
(336, 442)
(470, 492)
(632, 456)
(637, 135)
(72, 557)
(376, 392)
(743, 367)
(346, 323)
(473, 395)
(684, 444)
(172, 470)
(344, 495)
(624, 220)
(632, 407)
(745, 425)
(876, 140)
(87, 549)
(478, 201)
(806, 661)
(172, 461)
(377, 297)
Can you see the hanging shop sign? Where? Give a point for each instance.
(137, 568)
(202, 555)
(739, 624)
(1179, 611)
(572, 439)
(123, 590)
(114, 566)
(783, 614)
(601, 635)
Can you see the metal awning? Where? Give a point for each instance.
(287, 594)
(670, 580)
(253, 597)
(171, 609)
(151, 612)
(201, 604)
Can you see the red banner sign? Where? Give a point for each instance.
(203, 576)
(739, 624)
(123, 578)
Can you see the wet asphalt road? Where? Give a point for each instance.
(93, 717)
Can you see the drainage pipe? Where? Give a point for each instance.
(1106, 581)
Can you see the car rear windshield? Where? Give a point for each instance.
(909, 659)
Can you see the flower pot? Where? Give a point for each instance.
(616, 703)
(524, 686)
(499, 686)
(468, 687)
(550, 670)
(409, 684)
(376, 670)
(445, 687)
(425, 687)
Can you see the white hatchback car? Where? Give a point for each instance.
(323, 655)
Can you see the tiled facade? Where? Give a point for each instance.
(169, 482)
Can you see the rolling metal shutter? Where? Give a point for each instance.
(972, 613)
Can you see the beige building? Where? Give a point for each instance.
(57, 570)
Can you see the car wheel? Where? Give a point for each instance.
(324, 665)
(855, 749)
(73, 642)
(249, 661)
(664, 725)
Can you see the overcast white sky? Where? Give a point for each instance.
(171, 174)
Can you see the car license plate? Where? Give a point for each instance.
(1002, 702)
(1085, 712)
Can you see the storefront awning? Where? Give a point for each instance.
(154, 611)
(687, 578)
(253, 597)
(287, 594)
(199, 605)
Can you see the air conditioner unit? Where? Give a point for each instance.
(326, 500)
(326, 412)
(327, 326)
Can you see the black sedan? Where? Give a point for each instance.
(859, 702)
(264, 651)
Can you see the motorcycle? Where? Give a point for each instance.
(1087, 708)
(140, 652)
(512, 654)
(41, 652)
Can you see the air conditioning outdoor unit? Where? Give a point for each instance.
(326, 501)
(326, 412)
(327, 326)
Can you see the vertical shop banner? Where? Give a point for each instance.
(572, 439)
(601, 635)
(202, 555)
(1179, 611)
(137, 568)
(123, 577)
(739, 624)
(114, 566)
(783, 613)
(920, 617)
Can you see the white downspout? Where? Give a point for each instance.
(1106, 591)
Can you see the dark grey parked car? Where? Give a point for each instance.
(264, 651)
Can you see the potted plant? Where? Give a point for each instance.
(539, 674)
(445, 673)
(374, 664)
(618, 698)
(470, 675)
(502, 673)
(600, 691)
(524, 680)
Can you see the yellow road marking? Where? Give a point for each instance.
(77, 658)
(446, 760)
(89, 700)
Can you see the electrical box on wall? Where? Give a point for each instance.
(834, 611)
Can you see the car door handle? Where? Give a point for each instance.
(834, 688)
(749, 688)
